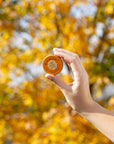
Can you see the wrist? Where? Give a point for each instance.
(87, 106)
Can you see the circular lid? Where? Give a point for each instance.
(52, 64)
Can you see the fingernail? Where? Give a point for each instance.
(55, 49)
(48, 76)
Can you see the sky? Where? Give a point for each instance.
(83, 10)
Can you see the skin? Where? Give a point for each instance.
(78, 95)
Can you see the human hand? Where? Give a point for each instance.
(77, 93)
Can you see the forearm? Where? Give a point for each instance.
(101, 118)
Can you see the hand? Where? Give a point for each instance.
(77, 93)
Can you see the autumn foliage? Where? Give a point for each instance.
(32, 109)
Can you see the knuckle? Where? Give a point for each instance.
(74, 57)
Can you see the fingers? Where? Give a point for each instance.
(72, 59)
(60, 83)
(71, 56)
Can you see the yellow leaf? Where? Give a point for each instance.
(109, 9)
(27, 100)
(2, 128)
(111, 101)
(5, 35)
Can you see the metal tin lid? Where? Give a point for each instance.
(52, 64)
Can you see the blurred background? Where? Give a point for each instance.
(32, 109)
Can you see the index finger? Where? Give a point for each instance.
(71, 58)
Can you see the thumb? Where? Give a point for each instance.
(60, 83)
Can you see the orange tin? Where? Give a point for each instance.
(52, 64)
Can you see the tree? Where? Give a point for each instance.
(33, 110)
